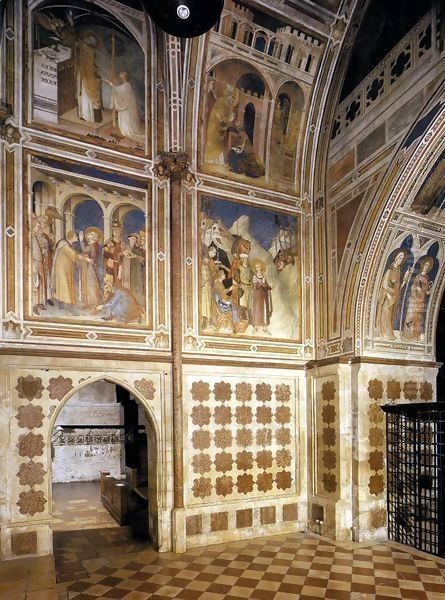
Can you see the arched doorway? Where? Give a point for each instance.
(104, 462)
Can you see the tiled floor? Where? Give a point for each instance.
(78, 506)
(286, 567)
(28, 579)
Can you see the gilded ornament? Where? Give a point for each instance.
(243, 415)
(376, 437)
(264, 459)
(244, 483)
(222, 391)
(201, 439)
(264, 482)
(375, 389)
(146, 388)
(202, 487)
(29, 387)
(375, 413)
(328, 413)
(59, 387)
(376, 485)
(224, 485)
(283, 458)
(200, 391)
(200, 415)
(223, 415)
(393, 389)
(30, 416)
(328, 391)
(263, 392)
(329, 436)
(426, 391)
(410, 390)
(283, 479)
(283, 436)
(223, 438)
(282, 392)
(30, 445)
(282, 415)
(329, 483)
(244, 460)
(264, 437)
(31, 502)
(223, 462)
(31, 473)
(264, 415)
(329, 459)
(375, 460)
(201, 463)
(244, 437)
(243, 391)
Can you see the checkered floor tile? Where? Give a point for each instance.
(284, 567)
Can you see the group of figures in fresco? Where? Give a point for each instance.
(242, 283)
(88, 78)
(79, 275)
(404, 293)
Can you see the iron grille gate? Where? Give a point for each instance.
(416, 477)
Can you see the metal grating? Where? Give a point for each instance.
(416, 477)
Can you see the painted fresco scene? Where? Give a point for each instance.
(88, 74)
(405, 290)
(253, 125)
(430, 199)
(250, 271)
(88, 247)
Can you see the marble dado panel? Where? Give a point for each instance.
(242, 440)
(31, 402)
(326, 451)
(379, 385)
(239, 521)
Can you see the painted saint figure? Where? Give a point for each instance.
(222, 115)
(120, 305)
(390, 290)
(261, 298)
(65, 260)
(209, 272)
(132, 269)
(123, 99)
(88, 81)
(417, 301)
(41, 263)
(90, 280)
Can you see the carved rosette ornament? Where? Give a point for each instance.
(59, 387)
(146, 388)
(30, 416)
(329, 438)
(30, 445)
(31, 473)
(200, 391)
(376, 433)
(31, 502)
(29, 387)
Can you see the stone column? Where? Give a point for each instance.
(174, 166)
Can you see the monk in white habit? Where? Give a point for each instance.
(65, 260)
(123, 99)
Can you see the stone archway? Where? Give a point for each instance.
(152, 450)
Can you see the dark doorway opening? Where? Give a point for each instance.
(249, 120)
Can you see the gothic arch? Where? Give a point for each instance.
(154, 503)
(404, 177)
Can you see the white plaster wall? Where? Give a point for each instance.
(85, 462)
(94, 404)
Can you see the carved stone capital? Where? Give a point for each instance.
(172, 165)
